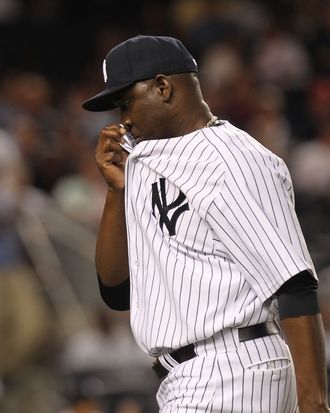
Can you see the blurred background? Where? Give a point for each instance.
(264, 66)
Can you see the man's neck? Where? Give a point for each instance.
(193, 120)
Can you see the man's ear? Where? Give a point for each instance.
(164, 87)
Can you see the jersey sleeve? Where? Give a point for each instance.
(117, 297)
(254, 223)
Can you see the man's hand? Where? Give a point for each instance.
(111, 157)
(305, 338)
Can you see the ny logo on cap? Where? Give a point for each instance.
(161, 203)
(105, 71)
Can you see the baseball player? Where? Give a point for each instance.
(200, 240)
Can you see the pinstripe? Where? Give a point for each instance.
(282, 209)
(179, 155)
(222, 387)
(232, 381)
(253, 390)
(218, 298)
(274, 185)
(265, 234)
(147, 278)
(181, 339)
(190, 379)
(183, 173)
(158, 159)
(262, 159)
(164, 305)
(252, 229)
(286, 399)
(246, 232)
(237, 245)
(142, 239)
(175, 309)
(189, 300)
(253, 174)
(207, 302)
(297, 229)
(198, 304)
(203, 187)
(194, 394)
(229, 292)
(231, 248)
(238, 188)
(277, 393)
(207, 384)
(243, 381)
(154, 314)
(261, 390)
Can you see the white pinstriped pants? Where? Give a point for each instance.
(227, 376)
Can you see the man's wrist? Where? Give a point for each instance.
(114, 192)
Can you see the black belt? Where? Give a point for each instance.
(245, 333)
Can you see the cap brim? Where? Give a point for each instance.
(103, 101)
(100, 102)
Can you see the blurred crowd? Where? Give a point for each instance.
(263, 65)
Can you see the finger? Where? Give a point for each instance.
(107, 144)
(114, 131)
(110, 158)
(122, 129)
(110, 140)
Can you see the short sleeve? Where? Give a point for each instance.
(117, 297)
(255, 223)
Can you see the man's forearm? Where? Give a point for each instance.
(305, 337)
(111, 256)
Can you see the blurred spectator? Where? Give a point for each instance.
(310, 164)
(90, 123)
(30, 93)
(104, 363)
(251, 15)
(84, 405)
(319, 101)
(9, 10)
(81, 195)
(24, 316)
(47, 156)
(310, 169)
(269, 124)
(227, 85)
(282, 59)
(317, 23)
(128, 405)
(220, 67)
(108, 344)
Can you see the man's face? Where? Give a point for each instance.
(142, 110)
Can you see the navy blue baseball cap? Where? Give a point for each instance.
(136, 59)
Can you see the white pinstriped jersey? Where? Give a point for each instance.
(212, 235)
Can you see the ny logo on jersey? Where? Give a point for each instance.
(161, 203)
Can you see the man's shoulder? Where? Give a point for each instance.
(241, 153)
